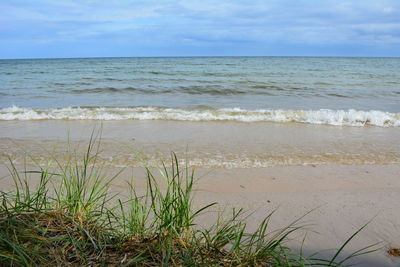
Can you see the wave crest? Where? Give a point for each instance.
(349, 117)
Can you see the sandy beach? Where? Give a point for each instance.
(348, 176)
(287, 111)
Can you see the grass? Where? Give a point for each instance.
(71, 219)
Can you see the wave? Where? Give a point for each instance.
(118, 90)
(210, 90)
(190, 90)
(323, 116)
(339, 95)
(269, 87)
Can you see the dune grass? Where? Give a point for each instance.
(70, 218)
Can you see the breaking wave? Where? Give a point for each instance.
(349, 117)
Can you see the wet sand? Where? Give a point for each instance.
(349, 175)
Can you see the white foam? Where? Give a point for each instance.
(349, 117)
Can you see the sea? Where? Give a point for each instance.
(339, 91)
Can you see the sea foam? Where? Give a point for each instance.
(349, 117)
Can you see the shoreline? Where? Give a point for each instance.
(208, 144)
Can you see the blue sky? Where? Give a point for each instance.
(80, 28)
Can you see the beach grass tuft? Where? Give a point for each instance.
(70, 218)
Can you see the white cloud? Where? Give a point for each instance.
(302, 21)
(388, 10)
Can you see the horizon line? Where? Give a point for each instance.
(98, 57)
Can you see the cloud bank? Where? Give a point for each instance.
(66, 28)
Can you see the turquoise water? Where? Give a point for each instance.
(204, 88)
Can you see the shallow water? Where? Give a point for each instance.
(206, 144)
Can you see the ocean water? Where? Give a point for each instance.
(314, 90)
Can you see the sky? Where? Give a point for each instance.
(129, 28)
